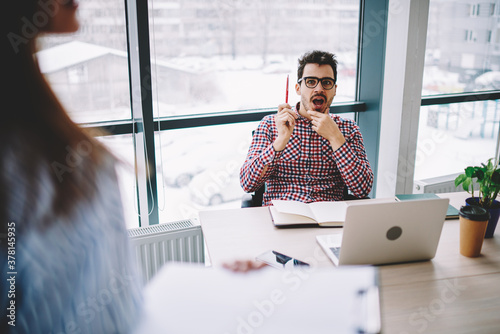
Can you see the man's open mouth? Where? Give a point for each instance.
(318, 102)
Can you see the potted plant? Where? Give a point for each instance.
(487, 177)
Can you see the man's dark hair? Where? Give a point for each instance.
(317, 57)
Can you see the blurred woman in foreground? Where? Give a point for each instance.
(69, 269)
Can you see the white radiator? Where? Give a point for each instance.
(440, 184)
(180, 241)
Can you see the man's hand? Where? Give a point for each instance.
(285, 122)
(326, 127)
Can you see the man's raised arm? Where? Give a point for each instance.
(268, 142)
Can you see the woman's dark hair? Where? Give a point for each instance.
(317, 57)
(33, 119)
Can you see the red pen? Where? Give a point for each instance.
(286, 96)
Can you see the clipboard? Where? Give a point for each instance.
(185, 298)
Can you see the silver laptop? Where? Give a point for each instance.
(382, 233)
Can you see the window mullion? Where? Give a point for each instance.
(142, 110)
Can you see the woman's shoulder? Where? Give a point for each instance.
(33, 183)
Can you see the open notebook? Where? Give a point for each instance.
(287, 213)
(323, 214)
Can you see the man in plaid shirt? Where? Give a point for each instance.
(305, 153)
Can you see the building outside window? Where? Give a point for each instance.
(453, 136)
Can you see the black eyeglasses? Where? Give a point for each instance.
(312, 82)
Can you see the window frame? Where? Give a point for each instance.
(399, 137)
(143, 124)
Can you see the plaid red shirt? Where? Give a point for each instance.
(308, 169)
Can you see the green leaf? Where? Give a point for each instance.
(480, 173)
(461, 178)
(470, 171)
(495, 177)
(466, 184)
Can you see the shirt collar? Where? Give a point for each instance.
(297, 108)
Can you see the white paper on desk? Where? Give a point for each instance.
(192, 299)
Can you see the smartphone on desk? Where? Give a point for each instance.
(280, 261)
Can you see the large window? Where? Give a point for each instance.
(212, 70)
(463, 47)
(232, 56)
(199, 168)
(89, 73)
(453, 136)
(88, 70)
(214, 56)
(462, 56)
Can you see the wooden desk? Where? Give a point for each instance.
(451, 293)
